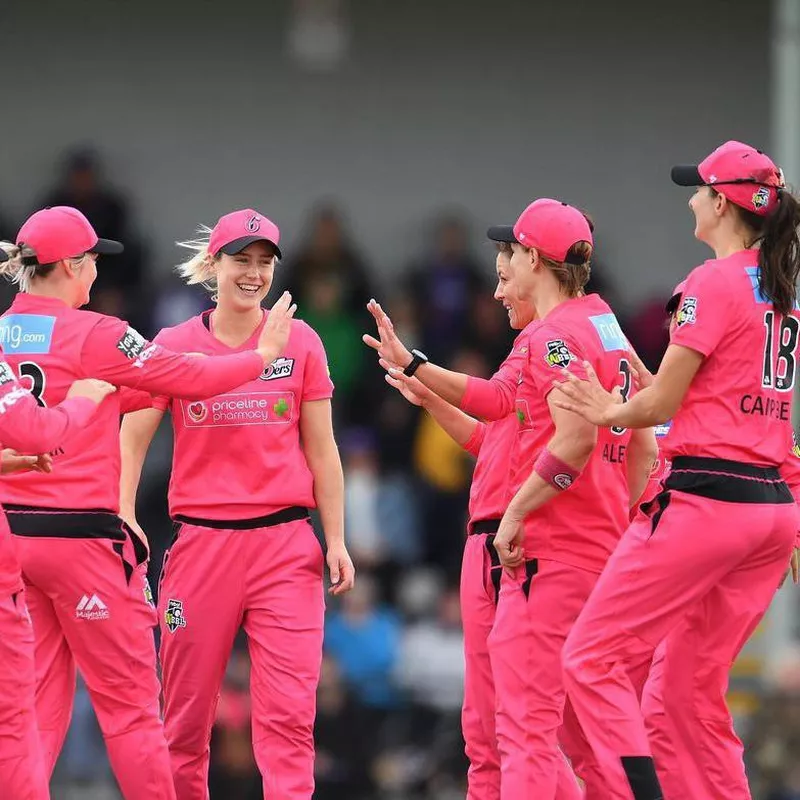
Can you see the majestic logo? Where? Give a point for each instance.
(91, 607)
(279, 368)
(687, 313)
(6, 373)
(173, 615)
(131, 344)
(197, 411)
(253, 224)
(558, 354)
(761, 198)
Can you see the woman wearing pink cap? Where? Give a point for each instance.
(715, 544)
(27, 427)
(492, 444)
(570, 487)
(88, 601)
(247, 467)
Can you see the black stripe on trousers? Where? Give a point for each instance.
(641, 774)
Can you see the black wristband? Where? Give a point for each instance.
(417, 359)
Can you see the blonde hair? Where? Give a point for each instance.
(22, 265)
(199, 267)
(572, 277)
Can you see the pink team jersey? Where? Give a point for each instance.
(738, 406)
(28, 428)
(49, 345)
(238, 455)
(580, 526)
(493, 443)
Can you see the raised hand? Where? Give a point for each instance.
(587, 397)
(413, 390)
(275, 333)
(388, 345)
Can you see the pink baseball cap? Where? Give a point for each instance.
(552, 227)
(675, 300)
(62, 232)
(237, 230)
(745, 176)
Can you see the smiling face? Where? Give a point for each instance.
(520, 312)
(243, 280)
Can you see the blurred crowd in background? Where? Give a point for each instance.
(389, 700)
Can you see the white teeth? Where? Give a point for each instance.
(249, 288)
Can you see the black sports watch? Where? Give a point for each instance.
(418, 359)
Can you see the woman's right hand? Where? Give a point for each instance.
(91, 388)
(275, 333)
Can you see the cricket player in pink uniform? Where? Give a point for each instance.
(563, 563)
(89, 604)
(492, 444)
(26, 427)
(247, 467)
(716, 544)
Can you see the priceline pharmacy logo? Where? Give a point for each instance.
(245, 408)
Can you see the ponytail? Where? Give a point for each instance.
(199, 267)
(22, 265)
(779, 256)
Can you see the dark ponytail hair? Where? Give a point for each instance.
(779, 255)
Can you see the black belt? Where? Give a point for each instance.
(291, 514)
(79, 523)
(729, 481)
(483, 526)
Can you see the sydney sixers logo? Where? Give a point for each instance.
(253, 224)
(197, 411)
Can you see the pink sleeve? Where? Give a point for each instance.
(28, 427)
(317, 383)
(120, 355)
(492, 399)
(475, 442)
(704, 313)
(550, 353)
(131, 400)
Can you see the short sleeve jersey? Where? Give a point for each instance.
(238, 455)
(582, 525)
(49, 346)
(738, 407)
(489, 493)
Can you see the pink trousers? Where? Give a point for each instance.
(268, 580)
(22, 774)
(91, 609)
(696, 576)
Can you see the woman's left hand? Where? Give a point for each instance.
(341, 569)
(587, 397)
(11, 461)
(508, 542)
